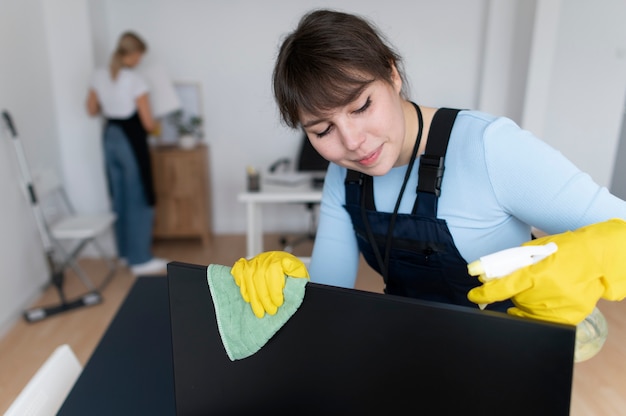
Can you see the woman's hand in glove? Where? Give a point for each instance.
(261, 279)
(590, 264)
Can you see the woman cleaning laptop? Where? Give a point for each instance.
(421, 192)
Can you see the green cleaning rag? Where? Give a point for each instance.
(242, 333)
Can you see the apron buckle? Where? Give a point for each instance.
(430, 174)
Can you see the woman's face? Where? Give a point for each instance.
(367, 135)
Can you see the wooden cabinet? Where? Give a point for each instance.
(183, 197)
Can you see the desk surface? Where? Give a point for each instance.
(130, 372)
(301, 192)
(271, 193)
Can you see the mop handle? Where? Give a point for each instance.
(19, 150)
(21, 159)
(9, 122)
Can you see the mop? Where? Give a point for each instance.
(57, 275)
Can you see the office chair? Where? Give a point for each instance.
(47, 389)
(309, 161)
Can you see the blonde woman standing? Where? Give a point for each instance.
(120, 95)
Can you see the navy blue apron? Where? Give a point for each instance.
(415, 253)
(138, 140)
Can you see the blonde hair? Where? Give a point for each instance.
(129, 42)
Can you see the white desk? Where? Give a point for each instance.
(271, 194)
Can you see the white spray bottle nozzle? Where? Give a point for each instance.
(501, 263)
(507, 261)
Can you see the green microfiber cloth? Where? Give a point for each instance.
(242, 333)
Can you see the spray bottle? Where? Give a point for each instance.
(590, 333)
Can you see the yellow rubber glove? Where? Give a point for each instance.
(156, 130)
(564, 287)
(261, 279)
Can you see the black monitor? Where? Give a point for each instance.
(353, 352)
(309, 160)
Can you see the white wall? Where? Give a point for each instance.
(70, 54)
(508, 36)
(577, 82)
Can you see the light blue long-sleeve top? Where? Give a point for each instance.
(499, 180)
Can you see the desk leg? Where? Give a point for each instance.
(254, 239)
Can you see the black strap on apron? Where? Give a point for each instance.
(138, 139)
(432, 164)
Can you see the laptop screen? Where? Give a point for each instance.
(353, 352)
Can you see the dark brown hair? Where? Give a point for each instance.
(327, 62)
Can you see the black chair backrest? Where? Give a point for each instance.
(309, 160)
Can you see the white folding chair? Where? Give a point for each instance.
(70, 232)
(47, 389)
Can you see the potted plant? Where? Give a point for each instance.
(189, 128)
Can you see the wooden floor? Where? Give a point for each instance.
(599, 384)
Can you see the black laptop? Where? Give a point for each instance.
(354, 352)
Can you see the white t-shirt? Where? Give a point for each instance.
(117, 97)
